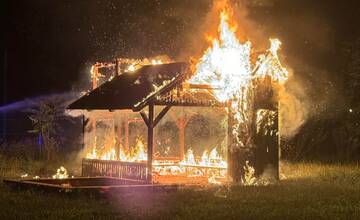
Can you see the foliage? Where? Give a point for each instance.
(352, 68)
(46, 117)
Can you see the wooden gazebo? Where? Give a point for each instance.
(165, 86)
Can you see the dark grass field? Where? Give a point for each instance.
(307, 191)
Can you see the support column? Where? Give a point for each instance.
(150, 139)
(84, 122)
(151, 122)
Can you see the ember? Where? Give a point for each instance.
(61, 173)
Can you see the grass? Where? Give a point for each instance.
(307, 191)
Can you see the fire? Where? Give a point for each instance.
(269, 65)
(131, 68)
(156, 62)
(108, 152)
(212, 159)
(191, 165)
(210, 165)
(226, 66)
(131, 65)
(61, 173)
(138, 154)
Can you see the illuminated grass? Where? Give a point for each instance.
(308, 191)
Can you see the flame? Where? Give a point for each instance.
(61, 173)
(226, 64)
(108, 152)
(191, 165)
(131, 68)
(215, 165)
(156, 62)
(116, 67)
(269, 64)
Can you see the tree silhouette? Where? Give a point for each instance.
(46, 116)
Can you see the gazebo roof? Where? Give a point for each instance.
(130, 89)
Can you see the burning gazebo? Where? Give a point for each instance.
(224, 82)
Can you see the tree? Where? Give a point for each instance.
(46, 116)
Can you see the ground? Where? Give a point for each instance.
(307, 191)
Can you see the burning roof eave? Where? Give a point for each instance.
(125, 92)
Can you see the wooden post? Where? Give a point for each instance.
(150, 141)
(151, 122)
(84, 122)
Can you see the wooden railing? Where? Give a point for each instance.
(111, 168)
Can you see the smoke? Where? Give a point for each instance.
(197, 39)
(293, 107)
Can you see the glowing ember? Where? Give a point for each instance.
(61, 173)
(131, 68)
(156, 62)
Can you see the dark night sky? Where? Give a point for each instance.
(50, 44)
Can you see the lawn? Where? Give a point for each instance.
(307, 191)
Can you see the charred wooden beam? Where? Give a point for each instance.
(145, 118)
(150, 141)
(161, 115)
(199, 86)
(190, 103)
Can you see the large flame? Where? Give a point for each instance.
(108, 152)
(226, 64)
